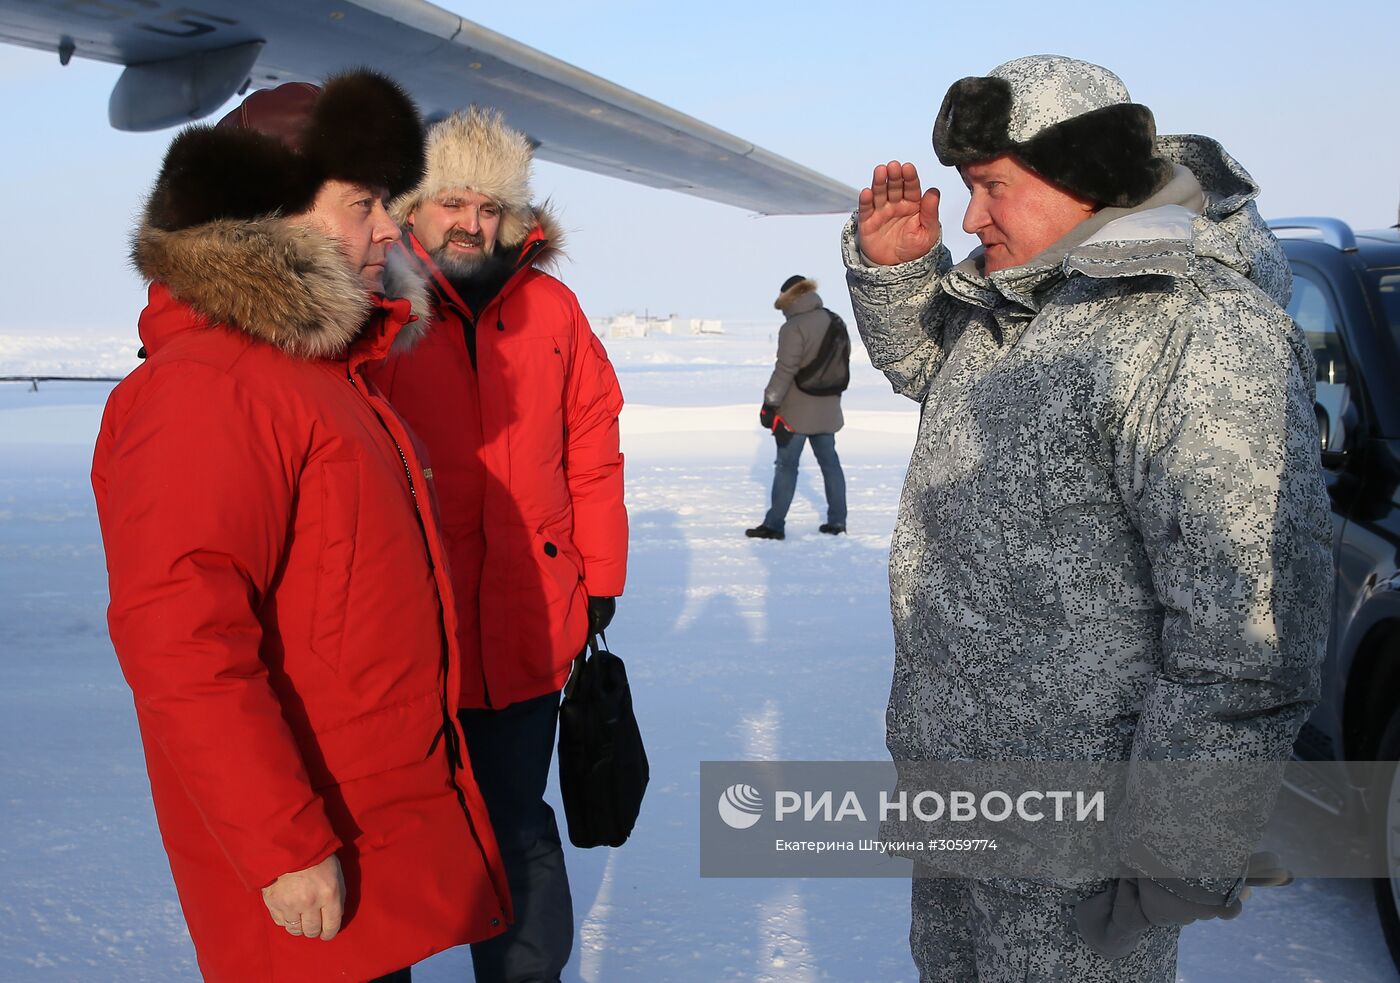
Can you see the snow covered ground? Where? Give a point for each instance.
(736, 648)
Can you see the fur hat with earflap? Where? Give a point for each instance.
(1070, 121)
(474, 150)
(271, 154)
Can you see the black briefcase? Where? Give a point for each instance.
(603, 769)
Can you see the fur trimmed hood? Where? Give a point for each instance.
(474, 150)
(277, 282)
(551, 233)
(799, 289)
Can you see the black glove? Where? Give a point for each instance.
(1113, 921)
(1266, 870)
(600, 613)
(1162, 906)
(769, 418)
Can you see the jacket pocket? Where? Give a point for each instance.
(340, 516)
(556, 580)
(384, 739)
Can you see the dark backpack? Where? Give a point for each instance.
(829, 371)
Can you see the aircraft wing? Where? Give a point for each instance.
(183, 62)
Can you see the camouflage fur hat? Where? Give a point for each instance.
(474, 150)
(1070, 121)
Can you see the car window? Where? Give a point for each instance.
(1311, 306)
(1387, 284)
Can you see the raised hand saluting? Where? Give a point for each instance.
(896, 222)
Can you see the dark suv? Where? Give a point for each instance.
(1346, 298)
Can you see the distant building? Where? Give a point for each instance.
(630, 325)
(621, 326)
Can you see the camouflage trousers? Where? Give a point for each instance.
(966, 931)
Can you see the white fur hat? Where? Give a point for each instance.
(474, 150)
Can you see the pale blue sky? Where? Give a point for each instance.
(1304, 94)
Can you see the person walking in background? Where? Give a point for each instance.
(518, 405)
(802, 403)
(279, 598)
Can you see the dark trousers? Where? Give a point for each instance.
(510, 751)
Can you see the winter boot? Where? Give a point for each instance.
(763, 532)
(832, 529)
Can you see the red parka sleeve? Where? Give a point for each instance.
(594, 463)
(195, 491)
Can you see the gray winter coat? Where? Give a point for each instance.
(798, 340)
(1114, 539)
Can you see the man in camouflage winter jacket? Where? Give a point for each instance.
(1114, 540)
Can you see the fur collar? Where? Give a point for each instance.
(552, 253)
(799, 289)
(279, 283)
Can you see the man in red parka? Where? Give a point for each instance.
(517, 403)
(279, 598)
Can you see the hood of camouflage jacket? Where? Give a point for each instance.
(1206, 211)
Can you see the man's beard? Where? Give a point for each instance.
(458, 264)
